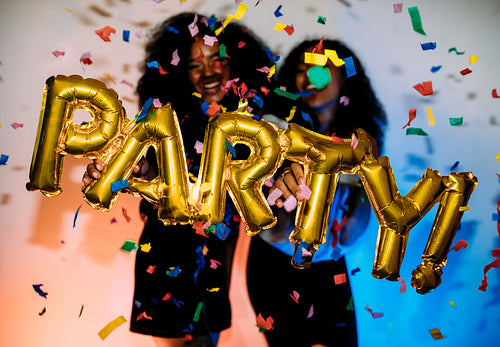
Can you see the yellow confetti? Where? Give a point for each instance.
(198, 95)
(452, 304)
(315, 58)
(146, 247)
(436, 334)
(272, 71)
(108, 76)
(111, 326)
(222, 109)
(498, 156)
(68, 10)
(473, 59)
(205, 250)
(292, 113)
(242, 8)
(279, 26)
(332, 55)
(430, 116)
(213, 290)
(464, 208)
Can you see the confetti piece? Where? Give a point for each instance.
(239, 13)
(289, 29)
(435, 69)
(402, 287)
(354, 141)
(336, 138)
(172, 29)
(321, 20)
(290, 204)
(214, 264)
(138, 33)
(497, 156)
(269, 183)
(108, 329)
(305, 191)
(412, 114)
(349, 67)
(454, 166)
(430, 116)
(354, 271)
(334, 58)
(465, 71)
(494, 93)
(416, 131)
(57, 53)
(43, 312)
(286, 94)
(38, 289)
(68, 10)
(307, 118)
(175, 58)
(210, 40)
(265, 324)
(277, 12)
(241, 44)
(350, 305)
(105, 32)
(109, 77)
(459, 245)
(453, 49)
(193, 28)
(113, 221)
(398, 8)
(374, 315)
(319, 76)
(273, 196)
(151, 269)
(85, 58)
(166, 297)
(340, 279)
(81, 311)
(213, 109)
(464, 208)
(295, 297)
(173, 271)
(145, 247)
(128, 246)
(197, 312)
(230, 148)
(455, 122)
(221, 231)
(453, 304)
(273, 58)
(118, 185)
(344, 100)
(198, 146)
(126, 35)
(213, 290)
(16, 125)
(484, 283)
(76, 215)
(279, 26)
(178, 303)
(311, 312)
(143, 315)
(436, 334)
(473, 59)
(416, 22)
(424, 88)
(426, 46)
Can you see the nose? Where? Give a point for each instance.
(208, 69)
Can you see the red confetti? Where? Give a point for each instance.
(188, 337)
(336, 138)
(374, 315)
(340, 278)
(265, 90)
(265, 324)
(319, 47)
(160, 69)
(143, 315)
(459, 245)
(402, 288)
(465, 71)
(200, 57)
(412, 114)
(105, 32)
(213, 109)
(289, 30)
(295, 296)
(494, 93)
(424, 88)
(199, 229)
(57, 53)
(16, 125)
(336, 227)
(167, 297)
(496, 253)
(241, 44)
(151, 269)
(127, 218)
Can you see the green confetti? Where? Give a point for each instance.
(286, 94)
(321, 20)
(455, 122)
(129, 246)
(416, 22)
(196, 317)
(416, 131)
(319, 76)
(350, 305)
(210, 229)
(222, 50)
(454, 49)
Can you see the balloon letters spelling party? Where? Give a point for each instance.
(121, 144)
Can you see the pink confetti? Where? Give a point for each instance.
(354, 141)
(139, 34)
(290, 204)
(193, 28)
(273, 196)
(198, 146)
(198, 205)
(344, 100)
(229, 85)
(209, 40)
(374, 315)
(459, 245)
(85, 58)
(269, 183)
(402, 288)
(340, 278)
(157, 103)
(57, 53)
(127, 83)
(311, 312)
(207, 225)
(16, 125)
(175, 58)
(305, 191)
(295, 296)
(264, 69)
(214, 263)
(306, 253)
(398, 8)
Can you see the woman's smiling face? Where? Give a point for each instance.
(208, 74)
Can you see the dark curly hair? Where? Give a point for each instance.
(363, 111)
(246, 55)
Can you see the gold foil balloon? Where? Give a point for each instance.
(242, 178)
(58, 135)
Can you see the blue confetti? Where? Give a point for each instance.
(126, 35)
(428, 45)
(270, 55)
(3, 159)
(204, 107)
(277, 13)
(39, 290)
(152, 64)
(349, 66)
(454, 166)
(435, 69)
(258, 100)
(231, 149)
(172, 29)
(354, 271)
(305, 94)
(188, 330)
(221, 231)
(76, 215)
(495, 217)
(307, 118)
(174, 272)
(178, 303)
(145, 109)
(137, 303)
(336, 253)
(256, 117)
(116, 186)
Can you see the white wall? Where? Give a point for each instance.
(89, 269)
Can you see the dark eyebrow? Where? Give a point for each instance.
(214, 55)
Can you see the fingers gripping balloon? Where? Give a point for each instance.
(121, 147)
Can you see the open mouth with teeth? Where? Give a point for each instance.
(210, 88)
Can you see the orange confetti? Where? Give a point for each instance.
(265, 324)
(340, 278)
(424, 88)
(105, 32)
